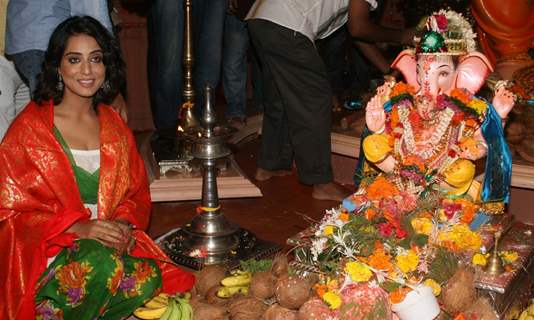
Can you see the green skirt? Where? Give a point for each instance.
(91, 281)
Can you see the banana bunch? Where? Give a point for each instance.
(238, 282)
(165, 307)
(528, 313)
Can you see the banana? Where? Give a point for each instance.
(187, 310)
(157, 302)
(240, 278)
(149, 313)
(227, 292)
(166, 315)
(176, 313)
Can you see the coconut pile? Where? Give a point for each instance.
(273, 294)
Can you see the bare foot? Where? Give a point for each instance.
(329, 191)
(262, 174)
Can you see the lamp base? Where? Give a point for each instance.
(248, 247)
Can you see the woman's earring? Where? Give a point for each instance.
(59, 85)
(106, 86)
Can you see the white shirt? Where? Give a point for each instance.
(316, 19)
(14, 94)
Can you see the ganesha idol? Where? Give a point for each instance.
(427, 132)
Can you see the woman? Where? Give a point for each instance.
(74, 196)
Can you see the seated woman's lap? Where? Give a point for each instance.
(91, 280)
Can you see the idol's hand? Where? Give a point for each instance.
(503, 101)
(110, 233)
(375, 117)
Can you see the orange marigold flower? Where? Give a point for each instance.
(344, 216)
(320, 289)
(398, 295)
(461, 94)
(402, 88)
(381, 188)
(460, 316)
(394, 117)
(370, 214)
(380, 260)
(413, 160)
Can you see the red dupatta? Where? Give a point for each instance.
(39, 201)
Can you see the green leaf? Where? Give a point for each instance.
(420, 239)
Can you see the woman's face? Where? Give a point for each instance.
(82, 67)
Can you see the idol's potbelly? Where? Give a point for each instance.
(510, 292)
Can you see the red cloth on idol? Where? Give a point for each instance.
(39, 201)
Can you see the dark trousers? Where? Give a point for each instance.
(297, 102)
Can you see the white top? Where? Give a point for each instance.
(89, 160)
(316, 19)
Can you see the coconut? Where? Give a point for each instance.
(364, 301)
(292, 291)
(262, 285)
(459, 292)
(208, 312)
(276, 312)
(246, 308)
(209, 277)
(280, 265)
(482, 310)
(314, 309)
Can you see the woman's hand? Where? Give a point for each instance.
(113, 234)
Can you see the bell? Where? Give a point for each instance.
(494, 265)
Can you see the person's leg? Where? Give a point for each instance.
(302, 81)
(165, 35)
(29, 64)
(276, 153)
(234, 67)
(208, 16)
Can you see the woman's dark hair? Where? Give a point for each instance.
(47, 86)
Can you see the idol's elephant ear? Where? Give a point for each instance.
(472, 71)
(407, 65)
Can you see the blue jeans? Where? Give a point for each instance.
(234, 68)
(165, 31)
(28, 64)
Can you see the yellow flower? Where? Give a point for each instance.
(358, 272)
(479, 259)
(436, 288)
(328, 230)
(332, 299)
(408, 261)
(460, 237)
(422, 225)
(509, 256)
(478, 105)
